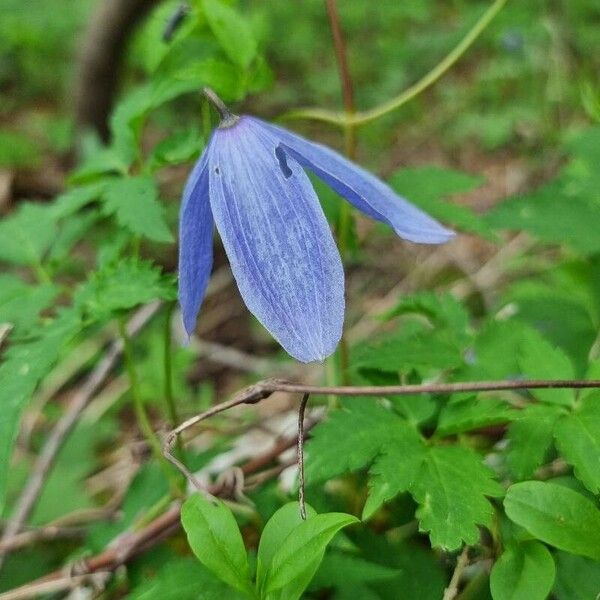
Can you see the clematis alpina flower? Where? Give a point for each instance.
(250, 182)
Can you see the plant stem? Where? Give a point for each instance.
(168, 372)
(168, 367)
(345, 217)
(363, 117)
(140, 411)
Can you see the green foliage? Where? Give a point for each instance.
(524, 570)
(122, 286)
(27, 235)
(428, 470)
(216, 541)
(22, 368)
(450, 484)
(289, 553)
(134, 202)
(231, 31)
(577, 578)
(556, 515)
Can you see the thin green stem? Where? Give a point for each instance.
(170, 403)
(168, 366)
(140, 411)
(342, 119)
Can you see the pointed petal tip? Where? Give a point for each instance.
(439, 235)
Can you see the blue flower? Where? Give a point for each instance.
(250, 182)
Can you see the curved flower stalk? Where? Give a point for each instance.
(250, 182)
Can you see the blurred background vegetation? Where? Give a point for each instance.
(510, 134)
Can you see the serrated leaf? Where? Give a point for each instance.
(577, 578)
(232, 31)
(524, 570)
(578, 440)
(395, 469)
(556, 515)
(541, 360)
(26, 235)
(20, 303)
(350, 438)
(122, 286)
(530, 436)
(472, 413)
(451, 490)
(297, 559)
(23, 367)
(71, 201)
(134, 201)
(416, 349)
(442, 309)
(215, 539)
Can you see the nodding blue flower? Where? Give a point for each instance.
(250, 182)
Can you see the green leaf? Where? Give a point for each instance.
(415, 347)
(551, 215)
(540, 360)
(556, 515)
(23, 367)
(277, 529)
(578, 439)
(443, 310)
(530, 437)
(178, 148)
(26, 235)
(395, 469)
(300, 554)
(472, 413)
(182, 578)
(224, 77)
(451, 490)
(428, 186)
(524, 571)
(216, 540)
(346, 571)
(75, 199)
(134, 201)
(350, 438)
(577, 578)
(20, 303)
(122, 286)
(232, 31)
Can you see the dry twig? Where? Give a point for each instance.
(461, 564)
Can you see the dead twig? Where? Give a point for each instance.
(28, 498)
(42, 534)
(300, 456)
(461, 564)
(131, 544)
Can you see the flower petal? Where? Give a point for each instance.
(362, 189)
(279, 244)
(195, 243)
